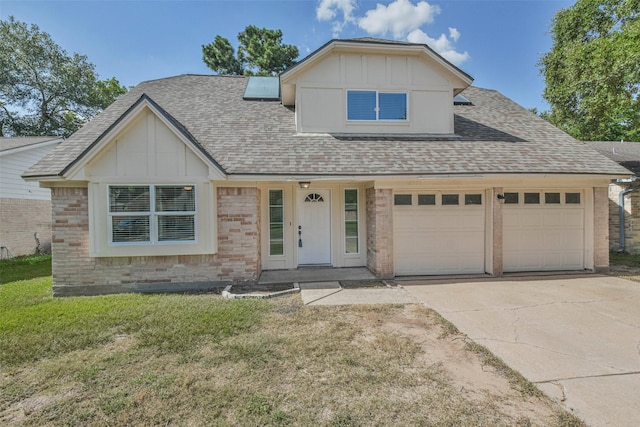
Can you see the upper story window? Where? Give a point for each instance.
(374, 105)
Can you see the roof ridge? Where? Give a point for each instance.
(191, 75)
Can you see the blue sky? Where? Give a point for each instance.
(496, 42)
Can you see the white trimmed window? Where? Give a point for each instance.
(152, 214)
(276, 222)
(351, 221)
(376, 106)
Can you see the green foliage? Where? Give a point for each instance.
(220, 56)
(43, 89)
(261, 52)
(592, 73)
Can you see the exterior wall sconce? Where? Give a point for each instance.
(304, 184)
(501, 198)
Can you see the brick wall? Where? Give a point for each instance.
(19, 220)
(601, 229)
(631, 220)
(380, 232)
(632, 237)
(76, 273)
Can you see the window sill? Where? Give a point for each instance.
(126, 250)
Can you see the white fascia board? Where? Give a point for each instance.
(423, 177)
(44, 178)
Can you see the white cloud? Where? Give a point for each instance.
(454, 34)
(328, 10)
(398, 18)
(443, 44)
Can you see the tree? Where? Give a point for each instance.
(261, 52)
(44, 90)
(592, 72)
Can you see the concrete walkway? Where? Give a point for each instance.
(330, 293)
(577, 338)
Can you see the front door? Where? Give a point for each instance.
(314, 226)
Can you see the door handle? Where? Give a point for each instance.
(299, 236)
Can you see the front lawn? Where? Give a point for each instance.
(202, 360)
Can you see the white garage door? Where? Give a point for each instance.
(543, 231)
(438, 233)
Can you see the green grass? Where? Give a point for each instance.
(623, 258)
(173, 359)
(24, 268)
(36, 326)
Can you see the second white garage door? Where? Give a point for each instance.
(543, 231)
(438, 233)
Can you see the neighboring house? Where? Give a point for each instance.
(25, 208)
(356, 156)
(624, 195)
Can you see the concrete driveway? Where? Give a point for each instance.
(577, 338)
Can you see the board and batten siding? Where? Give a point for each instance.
(148, 152)
(322, 91)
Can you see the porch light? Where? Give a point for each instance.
(304, 184)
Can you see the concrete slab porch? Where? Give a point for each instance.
(315, 274)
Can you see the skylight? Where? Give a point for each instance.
(262, 89)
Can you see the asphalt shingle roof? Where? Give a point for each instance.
(626, 154)
(23, 141)
(494, 135)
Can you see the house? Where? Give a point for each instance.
(25, 208)
(366, 153)
(624, 197)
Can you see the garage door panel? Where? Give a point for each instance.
(442, 264)
(528, 219)
(573, 241)
(512, 241)
(552, 240)
(543, 238)
(573, 218)
(433, 240)
(552, 219)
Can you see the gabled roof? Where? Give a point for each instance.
(460, 79)
(494, 135)
(26, 142)
(144, 101)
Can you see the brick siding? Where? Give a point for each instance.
(631, 220)
(379, 206)
(76, 273)
(20, 219)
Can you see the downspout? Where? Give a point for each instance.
(621, 215)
